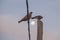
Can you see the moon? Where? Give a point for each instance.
(32, 23)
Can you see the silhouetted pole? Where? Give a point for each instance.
(39, 27)
(39, 30)
(28, 19)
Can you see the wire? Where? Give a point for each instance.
(28, 19)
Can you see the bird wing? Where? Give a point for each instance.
(25, 17)
(29, 16)
(37, 17)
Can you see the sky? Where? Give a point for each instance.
(11, 11)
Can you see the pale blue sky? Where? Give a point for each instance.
(13, 10)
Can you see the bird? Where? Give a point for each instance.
(37, 17)
(25, 18)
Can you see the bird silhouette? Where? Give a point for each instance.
(25, 18)
(37, 17)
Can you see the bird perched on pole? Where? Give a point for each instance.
(37, 17)
(26, 18)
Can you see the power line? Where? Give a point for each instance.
(28, 19)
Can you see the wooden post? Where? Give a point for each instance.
(39, 30)
(39, 27)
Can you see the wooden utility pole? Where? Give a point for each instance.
(39, 27)
(39, 30)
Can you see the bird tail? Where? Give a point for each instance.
(19, 21)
